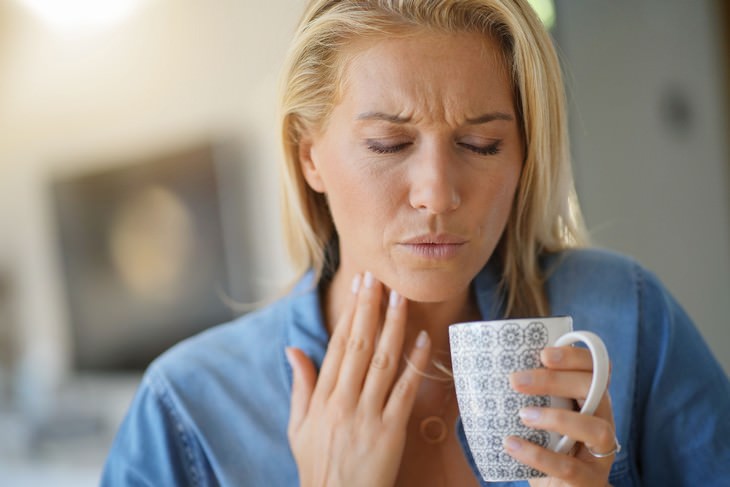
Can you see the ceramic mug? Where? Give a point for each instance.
(483, 355)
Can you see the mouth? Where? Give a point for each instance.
(434, 246)
(435, 239)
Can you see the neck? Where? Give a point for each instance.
(434, 318)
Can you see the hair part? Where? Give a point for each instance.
(545, 216)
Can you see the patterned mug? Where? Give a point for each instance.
(483, 355)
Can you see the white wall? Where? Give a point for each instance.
(174, 73)
(653, 186)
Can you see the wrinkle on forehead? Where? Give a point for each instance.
(446, 99)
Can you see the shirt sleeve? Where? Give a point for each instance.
(154, 446)
(683, 397)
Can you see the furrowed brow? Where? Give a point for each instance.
(387, 117)
(490, 117)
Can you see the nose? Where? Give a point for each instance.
(434, 179)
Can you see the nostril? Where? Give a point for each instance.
(435, 200)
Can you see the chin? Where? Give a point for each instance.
(432, 287)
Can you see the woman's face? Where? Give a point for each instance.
(419, 161)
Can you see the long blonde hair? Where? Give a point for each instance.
(545, 216)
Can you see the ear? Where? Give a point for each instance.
(308, 162)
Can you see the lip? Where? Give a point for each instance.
(435, 239)
(434, 246)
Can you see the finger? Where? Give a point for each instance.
(384, 363)
(564, 467)
(304, 378)
(552, 382)
(337, 344)
(567, 358)
(598, 444)
(570, 358)
(596, 432)
(605, 408)
(400, 402)
(361, 343)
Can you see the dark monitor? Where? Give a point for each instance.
(142, 254)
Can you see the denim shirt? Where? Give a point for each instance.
(213, 410)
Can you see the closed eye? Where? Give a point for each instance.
(379, 148)
(487, 150)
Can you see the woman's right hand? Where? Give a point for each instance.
(347, 427)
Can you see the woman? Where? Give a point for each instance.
(427, 182)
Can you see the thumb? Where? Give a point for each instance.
(304, 379)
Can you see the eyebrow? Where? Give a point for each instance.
(383, 116)
(485, 118)
(490, 117)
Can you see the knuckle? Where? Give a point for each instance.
(337, 342)
(402, 388)
(358, 344)
(381, 361)
(604, 434)
(337, 414)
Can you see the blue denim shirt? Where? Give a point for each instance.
(214, 409)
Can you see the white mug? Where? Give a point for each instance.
(483, 355)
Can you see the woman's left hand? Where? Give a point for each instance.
(567, 373)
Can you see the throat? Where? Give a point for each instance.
(435, 318)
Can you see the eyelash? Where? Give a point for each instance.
(387, 149)
(490, 150)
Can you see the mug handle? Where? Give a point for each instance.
(600, 376)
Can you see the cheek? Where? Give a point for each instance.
(508, 182)
(498, 197)
(360, 200)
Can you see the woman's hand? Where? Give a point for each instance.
(348, 426)
(567, 373)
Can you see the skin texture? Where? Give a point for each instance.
(419, 160)
(431, 180)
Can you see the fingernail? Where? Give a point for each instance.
(356, 284)
(422, 339)
(368, 280)
(530, 415)
(394, 299)
(512, 444)
(553, 355)
(522, 378)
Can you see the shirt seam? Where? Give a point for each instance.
(160, 387)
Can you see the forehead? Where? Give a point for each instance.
(427, 74)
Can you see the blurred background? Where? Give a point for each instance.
(138, 194)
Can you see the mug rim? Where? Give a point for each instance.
(466, 324)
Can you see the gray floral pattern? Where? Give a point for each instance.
(536, 335)
(482, 360)
(530, 359)
(510, 336)
(507, 362)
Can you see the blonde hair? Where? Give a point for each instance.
(545, 216)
